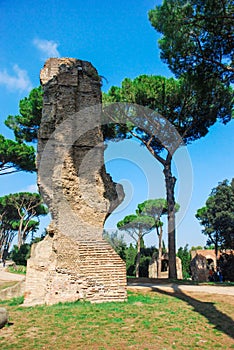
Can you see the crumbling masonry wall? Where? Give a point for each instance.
(73, 262)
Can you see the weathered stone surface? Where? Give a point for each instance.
(201, 259)
(153, 270)
(3, 317)
(179, 268)
(74, 262)
(199, 269)
(153, 267)
(204, 260)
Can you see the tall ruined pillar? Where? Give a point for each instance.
(73, 262)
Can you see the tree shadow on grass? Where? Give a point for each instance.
(221, 321)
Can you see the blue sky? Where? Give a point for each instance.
(120, 42)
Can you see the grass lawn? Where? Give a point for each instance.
(148, 320)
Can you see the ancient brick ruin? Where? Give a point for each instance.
(73, 262)
(204, 260)
(153, 267)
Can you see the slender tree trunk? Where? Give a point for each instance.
(216, 245)
(170, 189)
(20, 234)
(138, 257)
(216, 251)
(159, 264)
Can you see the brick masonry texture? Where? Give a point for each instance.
(73, 262)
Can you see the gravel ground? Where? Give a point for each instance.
(7, 276)
(225, 290)
(173, 287)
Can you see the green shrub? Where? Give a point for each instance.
(21, 269)
(20, 256)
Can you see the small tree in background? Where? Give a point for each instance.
(137, 227)
(26, 209)
(25, 125)
(8, 224)
(131, 255)
(20, 255)
(185, 257)
(198, 247)
(155, 208)
(15, 157)
(217, 217)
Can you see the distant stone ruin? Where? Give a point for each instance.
(199, 269)
(204, 262)
(73, 262)
(164, 273)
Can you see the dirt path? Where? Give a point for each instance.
(170, 287)
(7, 276)
(173, 287)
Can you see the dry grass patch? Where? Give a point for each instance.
(5, 284)
(148, 320)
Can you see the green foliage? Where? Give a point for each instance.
(18, 212)
(197, 37)
(144, 265)
(15, 157)
(184, 110)
(145, 258)
(136, 225)
(131, 253)
(189, 106)
(217, 217)
(154, 208)
(13, 302)
(210, 247)
(8, 223)
(20, 255)
(117, 242)
(20, 269)
(26, 124)
(198, 247)
(185, 257)
(226, 263)
(29, 204)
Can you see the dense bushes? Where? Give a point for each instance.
(20, 255)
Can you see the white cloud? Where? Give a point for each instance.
(18, 81)
(49, 48)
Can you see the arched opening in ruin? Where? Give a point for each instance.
(164, 265)
(210, 264)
